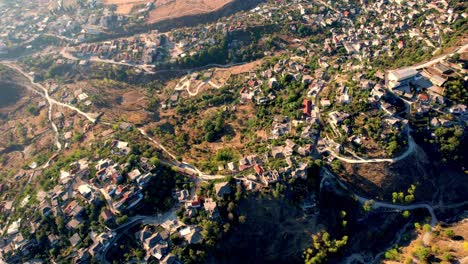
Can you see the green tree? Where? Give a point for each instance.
(392, 254)
(322, 247)
(427, 228)
(406, 214)
(422, 253)
(242, 219)
(121, 219)
(449, 233)
(368, 205)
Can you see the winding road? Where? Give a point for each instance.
(94, 118)
(377, 204)
(409, 150)
(51, 102)
(185, 84)
(144, 67)
(91, 117)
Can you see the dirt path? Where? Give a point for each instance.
(185, 84)
(91, 117)
(45, 93)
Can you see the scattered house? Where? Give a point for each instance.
(122, 147)
(232, 166)
(343, 96)
(377, 92)
(134, 175)
(437, 79)
(107, 215)
(14, 227)
(85, 190)
(102, 164)
(337, 118)
(436, 93)
(423, 97)
(183, 196)
(169, 259)
(300, 172)
(53, 240)
(211, 207)
(270, 177)
(393, 121)
(277, 152)
(458, 109)
(258, 169)
(73, 224)
(65, 177)
(280, 129)
(222, 189)
(125, 126)
(307, 107)
(192, 235)
(75, 240)
(305, 151)
(144, 180)
(442, 69)
(73, 209)
(6, 206)
(308, 132)
(324, 102)
(435, 122)
(194, 203)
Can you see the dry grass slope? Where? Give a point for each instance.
(167, 9)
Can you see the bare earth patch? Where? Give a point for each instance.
(124, 7)
(167, 9)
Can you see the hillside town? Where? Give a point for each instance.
(298, 106)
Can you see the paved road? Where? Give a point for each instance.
(147, 68)
(378, 204)
(409, 150)
(461, 49)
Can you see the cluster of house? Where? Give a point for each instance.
(24, 22)
(156, 240)
(425, 88)
(386, 26)
(66, 200)
(154, 47)
(143, 49)
(259, 86)
(122, 191)
(156, 244)
(382, 26)
(189, 41)
(74, 192)
(192, 204)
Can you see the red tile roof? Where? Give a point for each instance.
(307, 107)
